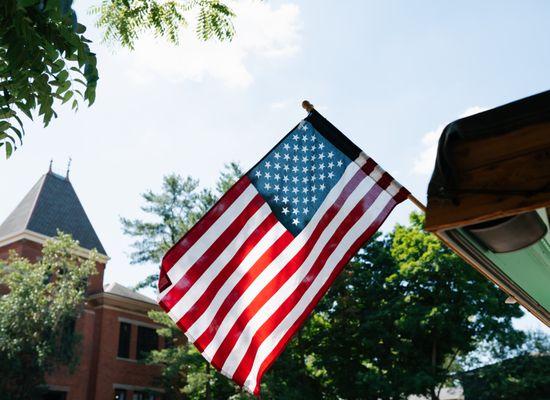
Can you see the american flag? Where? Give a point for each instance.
(244, 279)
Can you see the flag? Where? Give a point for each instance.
(241, 282)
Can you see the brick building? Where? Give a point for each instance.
(114, 326)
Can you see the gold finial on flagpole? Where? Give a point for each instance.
(306, 105)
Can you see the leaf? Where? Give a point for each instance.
(80, 28)
(18, 133)
(62, 76)
(7, 114)
(24, 109)
(63, 87)
(4, 126)
(9, 149)
(67, 96)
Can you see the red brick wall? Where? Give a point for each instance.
(32, 251)
(78, 381)
(25, 248)
(110, 369)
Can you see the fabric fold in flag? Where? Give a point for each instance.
(242, 281)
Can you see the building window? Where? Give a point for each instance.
(54, 395)
(143, 396)
(120, 394)
(124, 340)
(147, 340)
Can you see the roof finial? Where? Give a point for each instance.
(51, 162)
(68, 168)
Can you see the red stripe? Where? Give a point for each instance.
(401, 195)
(209, 334)
(266, 258)
(290, 302)
(209, 293)
(369, 165)
(345, 259)
(279, 280)
(220, 244)
(185, 243)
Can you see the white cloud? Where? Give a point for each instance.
(424, 162)
(261, 30)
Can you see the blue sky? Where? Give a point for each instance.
(389, 74)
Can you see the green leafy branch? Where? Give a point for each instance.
(124, 20)
(44, 60)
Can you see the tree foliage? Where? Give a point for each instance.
(37, 313)
(171, 213)
(125, 20)
(45, 61)
(522, 377)
(186, 375)
(400, 314)
(395, 322)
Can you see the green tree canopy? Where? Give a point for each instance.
(44, 60)
(37, 315)
(400, 314)
(394, 323)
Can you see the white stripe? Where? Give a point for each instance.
(276, 265)
(270, 306)
(195, 292)
(351, 236)
(263, 245)
(361, 159)
(376, 173)
(205, 241)
(393, 188)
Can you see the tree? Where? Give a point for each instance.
(522, 377)
(393, 324)
(124, 20)
(37, 315)
(45, 59)
(401, 313)
(494, 372)
(185, 374)
(173, 212)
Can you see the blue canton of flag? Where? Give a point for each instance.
(296, 176)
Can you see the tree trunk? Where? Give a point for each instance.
(433, 394)
(208, 394)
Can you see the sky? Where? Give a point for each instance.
(389, 74)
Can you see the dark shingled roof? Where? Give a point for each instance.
(119, 290)
(50, 205)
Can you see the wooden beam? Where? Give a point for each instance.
(495, 177)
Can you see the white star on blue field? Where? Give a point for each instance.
(296, 176)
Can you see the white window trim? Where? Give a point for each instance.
(139, 323)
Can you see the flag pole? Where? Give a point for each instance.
(306, 105)
(417, 203)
